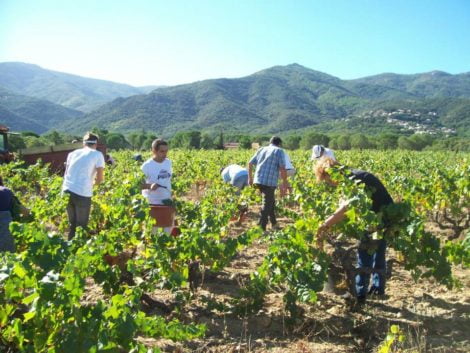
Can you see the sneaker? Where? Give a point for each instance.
(346, 296)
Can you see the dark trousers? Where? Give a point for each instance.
(78, 211)
(268, 206)
(375, 260)
(6, 240)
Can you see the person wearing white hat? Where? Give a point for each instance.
(319, 151)
(235, 175)
(84, 167)
(371, 251)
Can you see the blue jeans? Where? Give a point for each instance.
(375, 260)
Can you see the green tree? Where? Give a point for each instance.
(147, 142)
(54, 138)
(452, 144)
(102, 133)
(219, 141)
(415, 142)
(261, 139)
(386, 141)
(134, 140)
(177, 141)
(207, 142)
(343, 142)
(245, 142)
(405, 143)
(140, 140)
(313, 138)
(360, 141)
(32, 141)
(421, 141)
(194, 139)
(292, 142)
(29, 133)
(116, 141)
(16, 142)
(186, 139)
(333, 143)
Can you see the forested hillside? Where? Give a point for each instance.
(27, 113)
(274, 100)
(283, 98)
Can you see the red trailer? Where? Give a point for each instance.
(56, 156)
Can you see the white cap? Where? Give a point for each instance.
(319, 151)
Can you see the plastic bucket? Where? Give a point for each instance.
(163, 215)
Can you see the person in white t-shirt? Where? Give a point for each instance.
(158, 171)
(235, 175)
(290, 170)
(83, 167)
(319, 151)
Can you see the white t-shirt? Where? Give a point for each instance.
(288, 161)
(159, 173)
(81, 171)
(232, 172)
(320, 151)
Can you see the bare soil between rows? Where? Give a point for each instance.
(433, 318)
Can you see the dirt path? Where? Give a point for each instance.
(433, 318)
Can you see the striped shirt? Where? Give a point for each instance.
(268, 161)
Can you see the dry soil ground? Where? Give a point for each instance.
(433, 318)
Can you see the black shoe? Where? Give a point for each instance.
(376, 291)
(361, 300)
(379, 296)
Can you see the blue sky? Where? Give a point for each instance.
(170, 42)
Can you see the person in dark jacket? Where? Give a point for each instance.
(9, 204)
(367, 255)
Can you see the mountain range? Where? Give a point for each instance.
(278, 99)
(71, 91)
(28, 113)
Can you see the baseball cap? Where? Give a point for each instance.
(319, 151)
